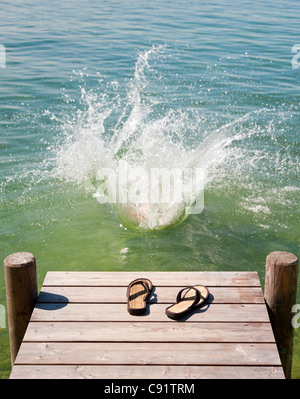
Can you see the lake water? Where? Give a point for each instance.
(191, 85)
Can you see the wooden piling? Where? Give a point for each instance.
(280, 296)
(21, 295)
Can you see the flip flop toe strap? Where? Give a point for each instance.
(181, 296)
(138, 281)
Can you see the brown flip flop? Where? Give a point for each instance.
(137, 293)
(188, 299)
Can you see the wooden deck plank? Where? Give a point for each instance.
(145, 372)
(148, 332)
(176, 279)
(80, 328)
(156, 312)
(155, 353)
(160, 294)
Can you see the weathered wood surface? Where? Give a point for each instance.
(217, 279)
(78, 329)
(21, 295)
(160, 294)
(281, 295)
(145, 372)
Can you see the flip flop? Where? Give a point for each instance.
(137, 293)
(188, 299)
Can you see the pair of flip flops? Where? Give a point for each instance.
(188, 299)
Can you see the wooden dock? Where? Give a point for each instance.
(80, 328)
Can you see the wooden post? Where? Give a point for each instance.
(21, 295)
(280, 295)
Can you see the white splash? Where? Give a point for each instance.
(131, 124)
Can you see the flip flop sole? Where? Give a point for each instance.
(137, 294)
(187, 304)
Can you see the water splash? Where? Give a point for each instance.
(133, 123)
